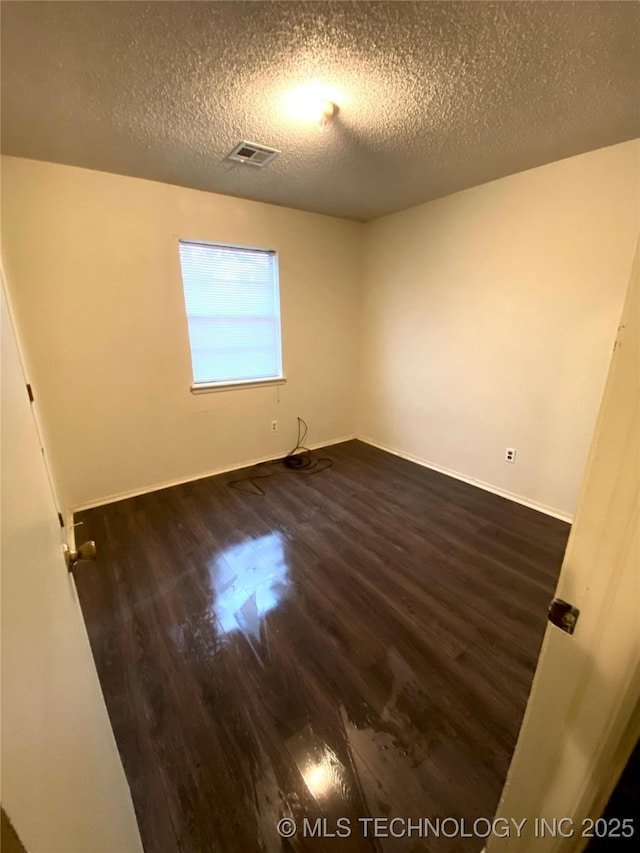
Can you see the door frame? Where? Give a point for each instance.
(605, 759)
(66, 518)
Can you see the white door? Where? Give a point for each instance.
(582, 717)
(63, 785)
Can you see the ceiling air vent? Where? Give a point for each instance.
(249, 152)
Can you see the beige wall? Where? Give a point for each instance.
(489, 318)
(92, 267)
(582, 719)
(482, 320)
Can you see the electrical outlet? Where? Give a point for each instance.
(274, 426)
(510, 454)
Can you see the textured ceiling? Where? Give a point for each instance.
(436, 97)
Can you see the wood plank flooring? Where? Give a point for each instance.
(357, 643)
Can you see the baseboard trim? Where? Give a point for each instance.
(134, 493)
(503, 493)
(410, 457)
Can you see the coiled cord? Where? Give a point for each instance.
(299, 460)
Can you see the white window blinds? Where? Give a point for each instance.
(233, 311)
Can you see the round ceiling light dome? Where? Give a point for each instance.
(313, 102)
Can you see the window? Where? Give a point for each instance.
(233, 312)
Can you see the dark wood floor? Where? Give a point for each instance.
(356, 643)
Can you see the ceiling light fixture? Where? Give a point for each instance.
(329, 110)
(313, 102)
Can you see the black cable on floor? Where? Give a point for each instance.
(300, 460)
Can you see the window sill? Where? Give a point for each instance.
(209, 387)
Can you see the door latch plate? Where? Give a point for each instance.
(563, 615)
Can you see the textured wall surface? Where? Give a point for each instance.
(489, 318)
(436, 97)
(92, 267)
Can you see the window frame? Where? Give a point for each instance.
(231, 384)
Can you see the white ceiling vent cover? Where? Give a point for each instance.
(249, 152)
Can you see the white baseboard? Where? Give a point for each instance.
(156, 487)
(547, 510)
(503, 493)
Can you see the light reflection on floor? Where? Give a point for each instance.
(322, 771)
(248, 580)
